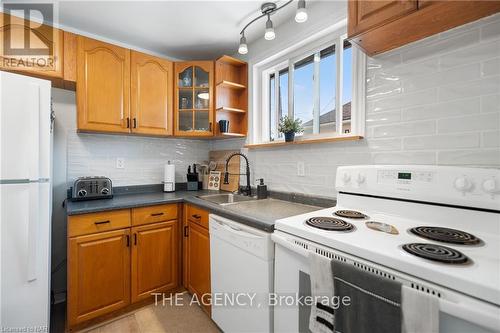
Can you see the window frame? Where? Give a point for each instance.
(262, 128)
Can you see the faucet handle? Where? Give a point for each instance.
(260, 181)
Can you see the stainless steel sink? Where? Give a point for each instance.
(226, 199)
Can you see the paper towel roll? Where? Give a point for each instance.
(169, 178)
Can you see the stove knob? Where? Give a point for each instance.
(82, 193)
(463, 184)
(360, 178)
(490, 186)
(346, 177)
(105, 191)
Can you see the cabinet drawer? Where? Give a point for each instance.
(152, 214)
(97, 222)
(197, 215)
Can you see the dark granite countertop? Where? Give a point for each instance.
(260, 214)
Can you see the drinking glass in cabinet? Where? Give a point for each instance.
(201, 122)
(200, 77)
(186, 77)
(185, 99)
(202, 99)
(186, 120)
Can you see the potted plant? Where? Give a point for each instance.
(289, 127)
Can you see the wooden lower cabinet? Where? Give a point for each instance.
(98, 274)
(198, 261)
(155, 259)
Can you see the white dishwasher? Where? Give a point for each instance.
(241, 269)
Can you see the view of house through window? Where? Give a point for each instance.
(315, 87)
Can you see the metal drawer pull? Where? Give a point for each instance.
(186, 231)
(135, 239)
(128, 240)
(156, 214)
(196, 216)
(102, 222)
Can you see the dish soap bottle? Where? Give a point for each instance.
(261, 189)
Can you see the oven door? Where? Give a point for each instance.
(292, 281)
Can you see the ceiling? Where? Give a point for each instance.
(178, 29)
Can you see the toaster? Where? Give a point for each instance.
(87, 188)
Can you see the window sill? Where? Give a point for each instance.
(298, 141)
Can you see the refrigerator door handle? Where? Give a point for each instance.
(33, 220)
(35, 130)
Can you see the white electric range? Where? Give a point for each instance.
(434, 228)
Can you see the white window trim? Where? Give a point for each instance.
(259, 120)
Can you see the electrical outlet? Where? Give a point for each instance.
(301, 169)
(120, 163)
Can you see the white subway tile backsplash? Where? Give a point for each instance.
(480, 122)
(461, 89)
(442, 110)
(405, 158)
(491, 67)
(405, 129)
(462, 140)
(471, 54)
(376, 118)
(420, 50)
(403, 100)
(491, 139)
(476, 157)
(490, 103)
(96, 154)
(491, 31)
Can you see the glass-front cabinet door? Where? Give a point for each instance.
(194, 98)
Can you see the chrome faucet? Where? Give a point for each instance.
(247, 190)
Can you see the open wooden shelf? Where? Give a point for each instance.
(231, 96)
(229, 135)
(231, 61)
(231, 85)
(228, 109)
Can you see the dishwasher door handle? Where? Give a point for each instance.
(238, 231)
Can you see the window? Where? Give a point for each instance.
(312, 86)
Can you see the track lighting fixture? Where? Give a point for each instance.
(267, 9)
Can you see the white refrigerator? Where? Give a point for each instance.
(25, 203)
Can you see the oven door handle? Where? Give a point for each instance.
(278, 239)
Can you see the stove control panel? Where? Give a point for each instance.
(470, 187)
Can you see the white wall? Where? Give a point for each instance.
(436, 101)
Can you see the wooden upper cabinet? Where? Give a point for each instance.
(103, 86)
(194, 98)
(368, 14)
(155, 259)
(44, 57)
(98, 274)
(380, 26)
(151, 95)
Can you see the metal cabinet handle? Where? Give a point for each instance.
(196, 216)
(135, 122)
(102, 222)
(128, 122)
(210, 126)
(186, 231)
(128, 240)
(135, 239)
(156, 214)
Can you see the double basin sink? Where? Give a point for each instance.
(226, 199)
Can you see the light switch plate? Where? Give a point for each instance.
(120, 163)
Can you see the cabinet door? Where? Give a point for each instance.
(155, 259)
(368, 14)
(98, 274)
(151, 95)
(103, 86)
(198, 261)
(194, 111)
(47, 62)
